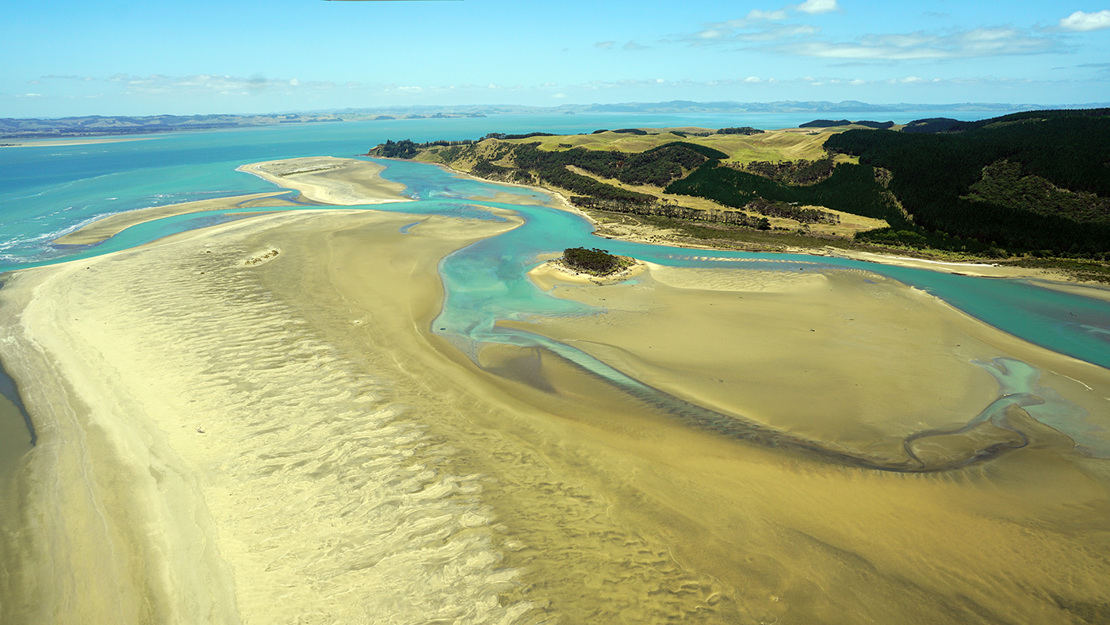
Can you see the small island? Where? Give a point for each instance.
(581, 266)
(596, 262)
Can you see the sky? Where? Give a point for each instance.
(70, 57)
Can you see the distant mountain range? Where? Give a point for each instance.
(97, 125)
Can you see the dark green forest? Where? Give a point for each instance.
(595, 261)
(851, 188)
(1031, 182)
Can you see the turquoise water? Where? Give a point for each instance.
(47, 191)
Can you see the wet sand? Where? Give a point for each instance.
(252, 423)
(974, 268)
(231, 434)
(205, 456)
(108, 227)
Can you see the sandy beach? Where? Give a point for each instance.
(253, 423)
(330, 180)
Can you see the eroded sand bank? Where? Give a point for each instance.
(253, 423)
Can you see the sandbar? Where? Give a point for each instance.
(330, 180)
(323, 180)
(107, 227)
(973, 268)
(255, 423)
(887, 360)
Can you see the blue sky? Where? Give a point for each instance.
(64, 57)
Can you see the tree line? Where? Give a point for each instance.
(850, 188)
(933, 175)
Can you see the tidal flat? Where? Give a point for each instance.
(261, 421)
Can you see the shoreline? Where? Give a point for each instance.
(321, 180)
(192, 471)
(349, 182)
(560, 203)
(70, 141)
(106, 227)
(255, 419)
(330, 180)
(661, 236)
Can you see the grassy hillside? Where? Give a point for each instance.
(772, 145)
(1035, 183)
(641, 171)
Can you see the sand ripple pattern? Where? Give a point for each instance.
(333, 505)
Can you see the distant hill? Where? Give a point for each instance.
(96, 125)
(828, 123)
(119, 125)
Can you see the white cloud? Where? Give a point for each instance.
(747, 30)
(979, 42)
(605, 45)
(756, 14)
(1081, 21)
(817, 6)
(760, 25)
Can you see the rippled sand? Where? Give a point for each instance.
(253, 424)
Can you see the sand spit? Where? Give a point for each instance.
(252, 423)
(108, 227)
(980, 269)
(321, 179)
(330, 180)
